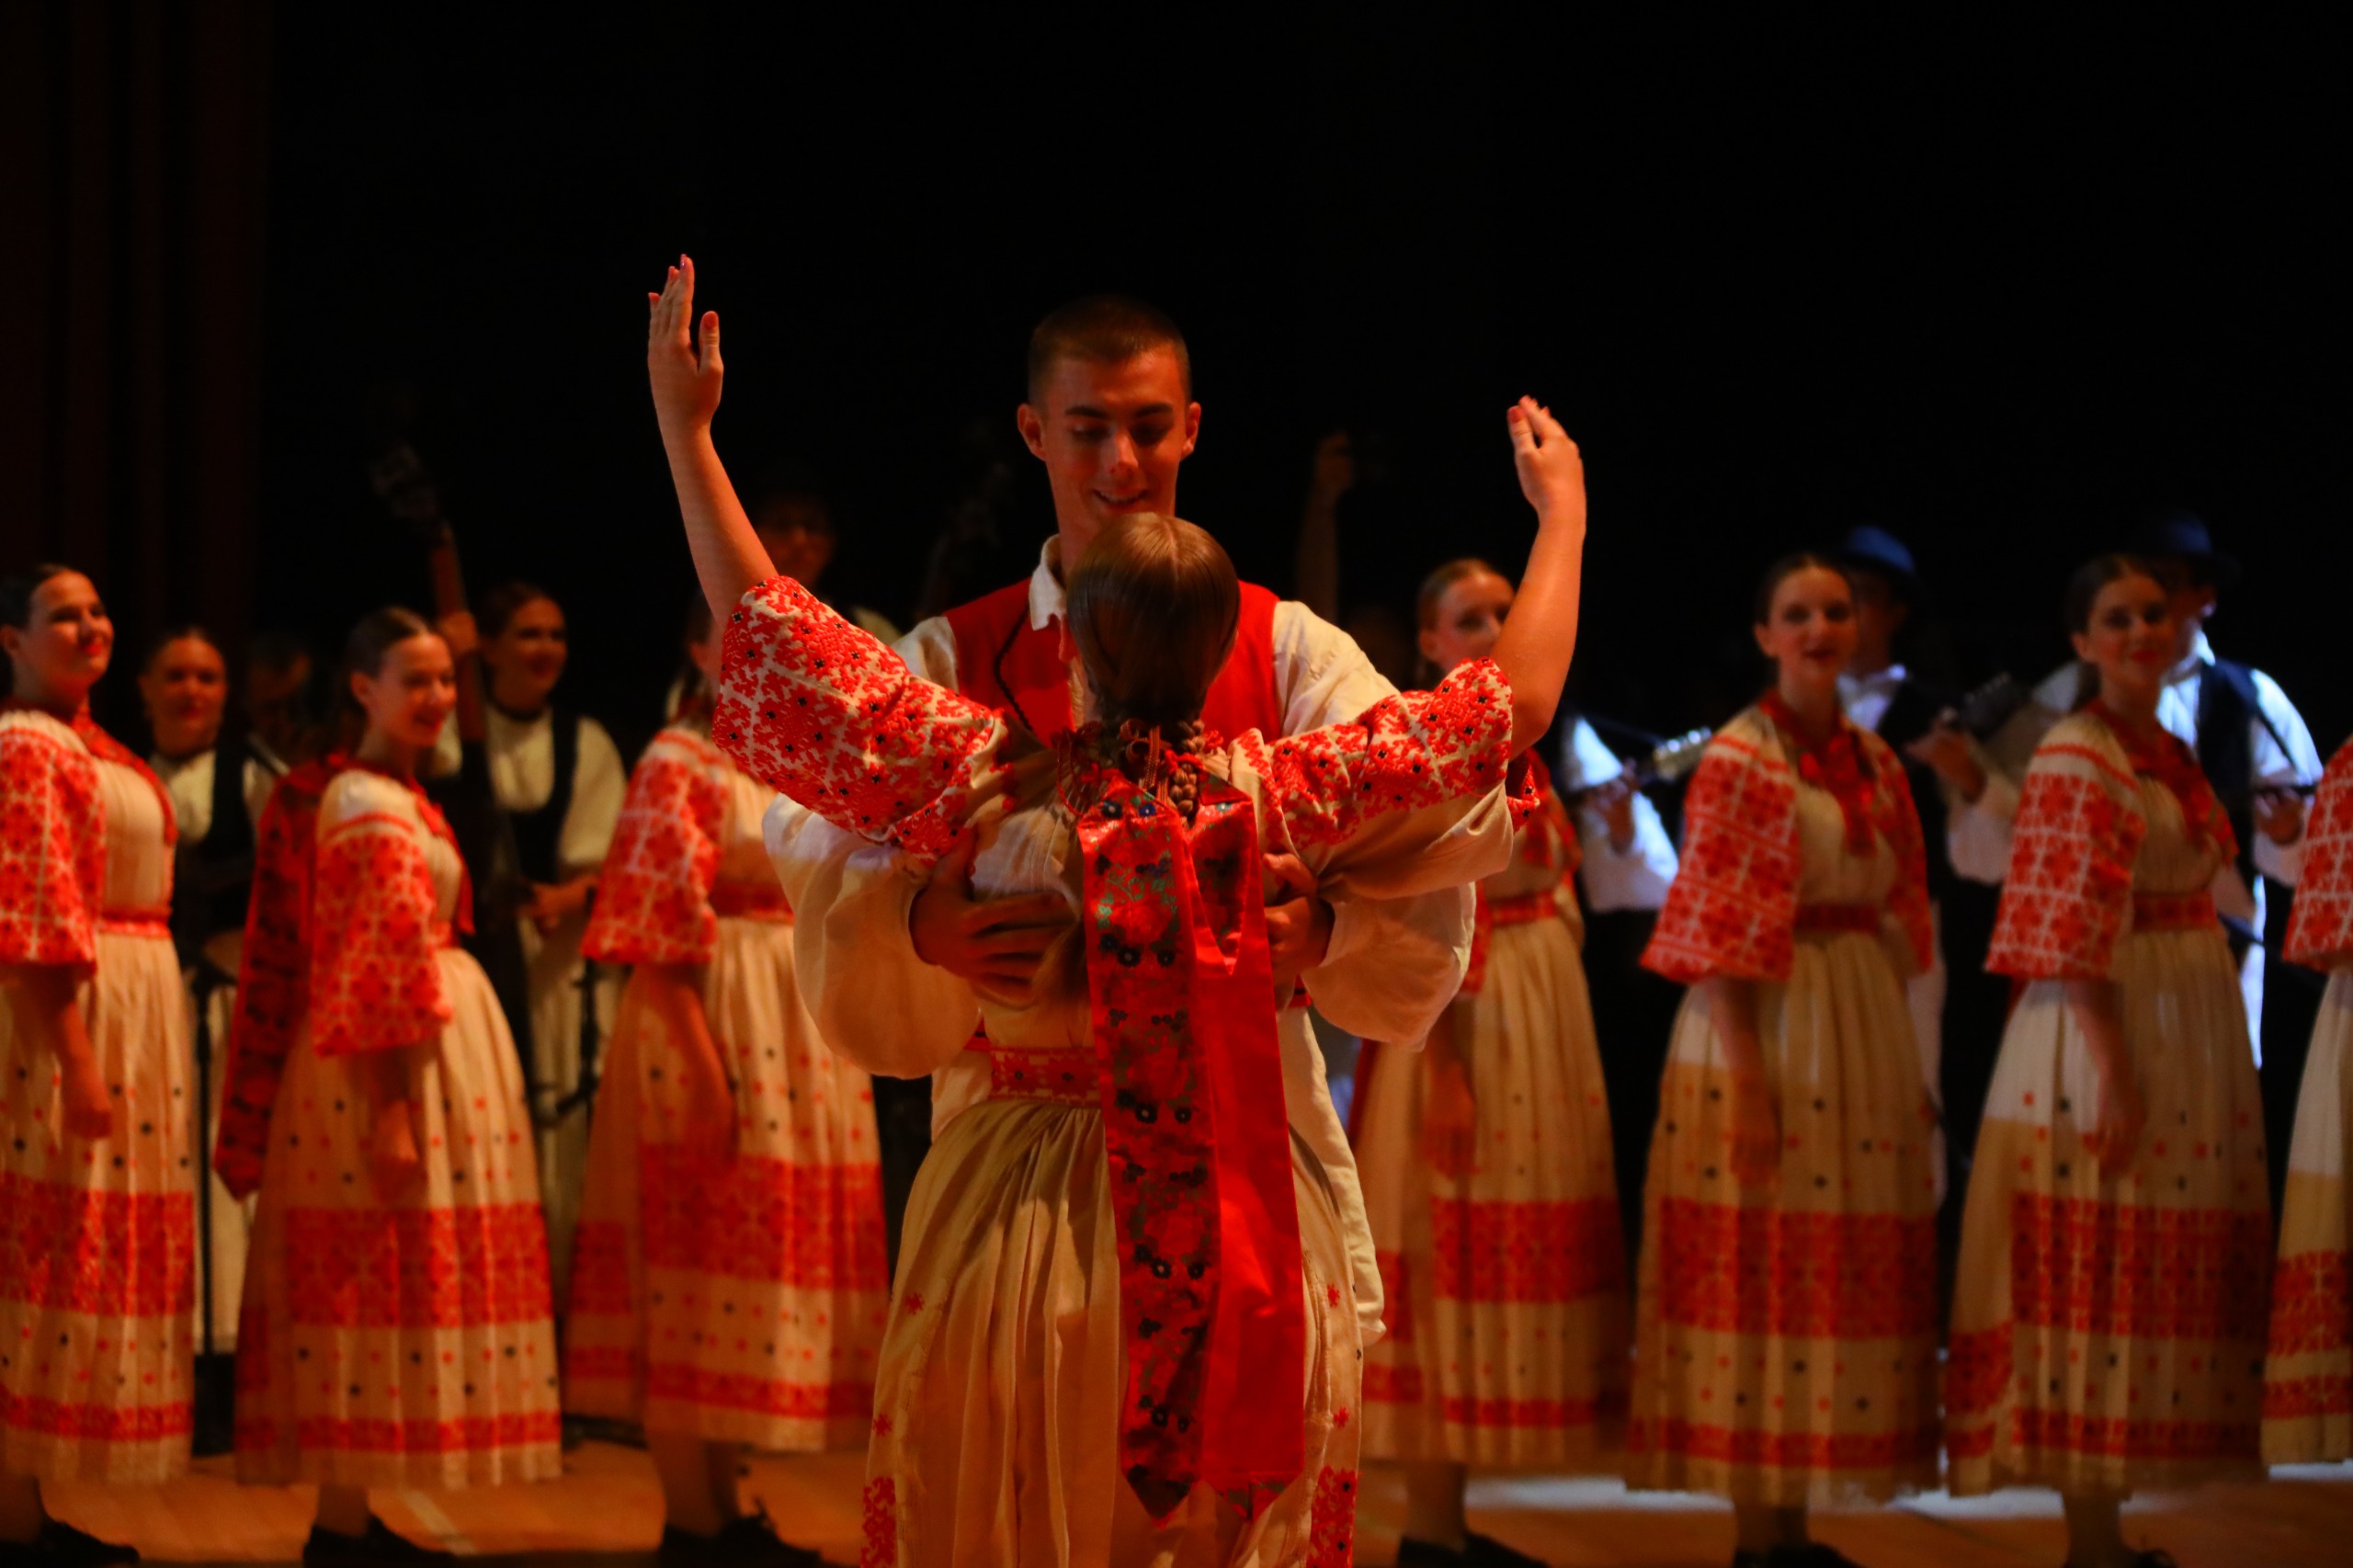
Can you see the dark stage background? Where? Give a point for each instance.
(1996, 290)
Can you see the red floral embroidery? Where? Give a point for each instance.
(2069, 885)
(819, 709)
(53, 852)
(689, 1384)
(1332, 1519)
(652, 897)
(1978, 1370)
(415, 1268)
(108, 1254)
(766, 1220)
(375, 935)
(600, 1273)
(599, 1363)
(1413, 750)
(882, 1501)
(1786, 1450)
(2116, 1269)
(1733, 901)
(464, 1435)
(2312, 1303)
(1066, 1078)
(274, 975)
(2301, 1398)
(98, 1423)
(1794, 1274)
(1502, 1251)
(2135, 1437)
(2320, 924)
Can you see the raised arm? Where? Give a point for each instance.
(682, 361)
(1537, 640)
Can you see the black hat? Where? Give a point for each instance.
(2183, 536)
(1876, 550)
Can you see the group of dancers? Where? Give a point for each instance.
(1083, 852)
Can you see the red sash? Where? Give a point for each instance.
(1006, 663)
(1196, 1136)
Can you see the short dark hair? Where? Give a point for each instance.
(370, 640)
(17, 590)
(496, 608)
(1104, 329)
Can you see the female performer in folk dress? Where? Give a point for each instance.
(1786, 1331)
(1488, 1178)
(729, 1288)
(2308, 1375)
(98, 1171)
(1116, 1249)
(397, 1329)
(2108, 1325)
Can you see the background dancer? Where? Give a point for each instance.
(1786, 1337)
(731, 1285)
(98, 1174)
(2108, 1323)
(1490, 1183)
(397, 1325)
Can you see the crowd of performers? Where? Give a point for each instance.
(1081, 853)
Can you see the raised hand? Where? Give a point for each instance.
(1551, 470)
(682, 360)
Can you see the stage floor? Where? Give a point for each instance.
(606, 1511)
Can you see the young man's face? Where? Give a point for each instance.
(1111, 435)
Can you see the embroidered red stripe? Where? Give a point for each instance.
(1528, 909)
(2175, 912)
(1837, 920)
(751, 900)
(600, 1268)
(2312, 1303)
(765, 1396)
(2148, 1273)
(2298, 1399)
(416, 1267)
(1498, 1251)
(1065, 1076)
(2135, 1437)
(1806, 1451)
(604, 1363)
(105, 1422)
(753, 1217)
(114, 1254)
(1977, 1369)
(469, 1433)
(1774, 1271)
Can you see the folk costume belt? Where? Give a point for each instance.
(751, 900)
(2175, 912)
(138, 920)
(1522, 909)
(1838, 919)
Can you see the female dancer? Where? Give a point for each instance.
(730, 1287)
(1115, 1251)
(396, 1329)
(2108, 1327)
(557, 777)
(2308, 1375)
(96, 1174)
(1489, 1181)
(1786, 1339)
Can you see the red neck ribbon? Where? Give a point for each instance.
(2166, 758)
(1839, 764)
(1181, 986)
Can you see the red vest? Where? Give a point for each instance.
(1004, 661)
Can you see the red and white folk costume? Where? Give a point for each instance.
(407, 1342)
(98, 1243)
(1506, 1288)
(1117, 1249)
(2107, 1331)
(735, 1300)
(2308, 1376)
(1786, 1338)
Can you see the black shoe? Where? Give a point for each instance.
(1478, 1551)
(1812, 1554)
(60, 1545)
(751, 1542)
(382, 1546)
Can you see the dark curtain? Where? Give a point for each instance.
(131, 174)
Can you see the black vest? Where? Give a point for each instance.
(2228, 708)
(213, 877)
(538, 833)
(1911, 714)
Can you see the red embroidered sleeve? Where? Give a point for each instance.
(375, 945)
(1898, 820)
(2070, 884)
(52, 850)
(273, 974)
(2320, 923)
(1412, 750)
(820, 710)
(654, 896)
(1732, 910)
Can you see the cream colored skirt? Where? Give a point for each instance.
(2308, 1379)
(996, 1423)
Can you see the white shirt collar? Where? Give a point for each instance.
(1046, 596)
(2201, 653)
(1888, 680)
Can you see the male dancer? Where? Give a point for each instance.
(891, 966)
